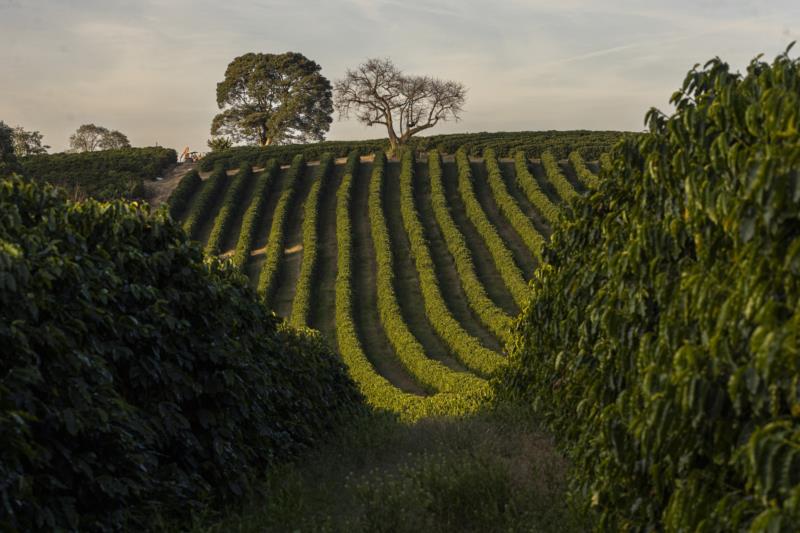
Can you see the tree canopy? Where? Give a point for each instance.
(273, 99)
(90, 137)
(377, 92)
(28, 142)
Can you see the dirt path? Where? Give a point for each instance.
(157, 192)
(572, 177)
(484, 265)
(537, 169)
(365, 298)
(231, 238)
(509, 173)
(522, 255)
(446, 272)
(406, 279)
(323, 310)
(257, 257)
(289, 268)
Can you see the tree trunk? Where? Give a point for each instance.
(393, 142)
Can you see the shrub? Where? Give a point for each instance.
(589, 143)
(490, 314)
(137, 377)
(105, 174)
(275, 243)
(379, 392)
(508, 206)
(233, 196)
(508, 269)
(431, 374)
(661, 343)
(588, 178)
(527, 182)
(247, 233)
(557, 178)
(203, 203)
(301, 305)
(467, 348)
(182, 195)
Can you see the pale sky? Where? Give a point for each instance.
(149, 68)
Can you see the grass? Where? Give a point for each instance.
(494, 471)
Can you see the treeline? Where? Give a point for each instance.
(106, 174)
(590, 144)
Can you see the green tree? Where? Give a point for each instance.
(8, 158)
(114, 139)
(217, 144)
(90, 137)
(273, 99)
(28, 142)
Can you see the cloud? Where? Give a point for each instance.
(150, 67)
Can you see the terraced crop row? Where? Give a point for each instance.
(391, 270)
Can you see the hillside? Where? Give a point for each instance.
(411, 268)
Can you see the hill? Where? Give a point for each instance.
(412, 268)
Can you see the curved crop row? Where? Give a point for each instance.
(508, 206)
(181, 196)
(302, 295)
(210, 188)
(508, 269)
(490, 314)
(232, 198)
(557, 178)
(588, 177)
(247, 233)
(378, 391)
(535, 194)
(466, 347)
(269, 272)
(429, 373)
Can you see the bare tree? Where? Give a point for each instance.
(377, 92)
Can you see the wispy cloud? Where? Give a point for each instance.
(149, 67)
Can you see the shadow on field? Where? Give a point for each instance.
(494, 471)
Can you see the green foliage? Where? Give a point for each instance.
(28, 142)
(247, 233)
(501, 255)
(8, 156)
(204, 200)
(379, 392)
(490, 314)
(430, 373)
(590, 181)
(233, 195)
(182, 195)
(137, 377)
(301, 305)
(508, 206)
(661, 341)
(527, 182)
(217, 144)
(589, 143)
(467, 348)
(105, 175)
(273, 99)
(557, 178)
(276, 240)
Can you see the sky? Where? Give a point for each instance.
(149, 68)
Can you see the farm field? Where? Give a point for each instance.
(412, 268)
